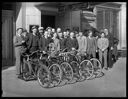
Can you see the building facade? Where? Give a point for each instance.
(110, 15)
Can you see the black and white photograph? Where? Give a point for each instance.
(63, 49)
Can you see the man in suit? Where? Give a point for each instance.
(44, 42)
(55, 45)
(65, 34)
(72, 43)
(18, 43)
(25, 38)
(53, 31)
(68, 32)
(58, 30)
(91, 45)
(110, 47)
(61, 40)
(41, 31)
(33, 42)
(115, 50)
(49, 30)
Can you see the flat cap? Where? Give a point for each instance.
(24, 30)
(48, 28)
(34, 27)
(40, 28)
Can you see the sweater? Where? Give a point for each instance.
(82, 41)
(102, 43)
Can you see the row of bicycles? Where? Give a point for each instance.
(52, 68)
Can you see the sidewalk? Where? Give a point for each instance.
(112, 84)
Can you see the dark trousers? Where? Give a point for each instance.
(109, 58)
(26, 66)
(18, 62)
(92, 54)
(115, 52)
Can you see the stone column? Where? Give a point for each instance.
(33, 15)
(122, 26)
(28, 15)
(24, 15)
(18, 16)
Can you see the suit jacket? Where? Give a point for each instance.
(62, 43)
(110, 38)
(115, 41)
(17, 41)
(91, 44)
(33, 43)
(42, 43)
(72, 43)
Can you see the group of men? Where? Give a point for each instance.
(40, 39)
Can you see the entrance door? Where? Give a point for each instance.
(7, 38)
(48, 21)
(108, 18)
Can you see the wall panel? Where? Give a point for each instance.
(107, 18)
(7, 38)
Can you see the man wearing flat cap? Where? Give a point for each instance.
(33, 44)
(34, 27)
(41, 31)
(48, 28)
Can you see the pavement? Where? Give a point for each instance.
(112, 84)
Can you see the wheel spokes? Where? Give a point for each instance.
(97, 66)
(86, 69)
(75, 66)
(56, 74)
(67, 71)
(44, 77)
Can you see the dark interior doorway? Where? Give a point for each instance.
(48, 21)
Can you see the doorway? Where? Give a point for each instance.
(7, 38)
(48, 21)
(108, 19)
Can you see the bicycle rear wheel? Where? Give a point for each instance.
(56, 74)
(97, 66)
(75, 66)
(43, 76)
(67, 71)
(86, 70)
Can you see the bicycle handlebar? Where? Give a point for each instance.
(28, 55)
(60, 51)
